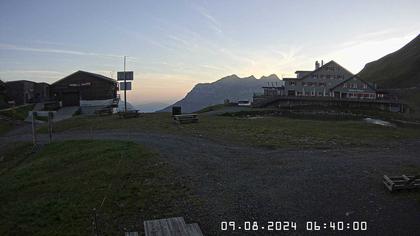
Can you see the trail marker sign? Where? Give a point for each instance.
(125, 86)
(129, 75)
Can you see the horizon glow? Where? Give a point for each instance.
(173, 45)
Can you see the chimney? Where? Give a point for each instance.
(322, 62)
(316, 65)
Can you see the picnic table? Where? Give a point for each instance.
(186, 118)
(129, 114)
(104, 111)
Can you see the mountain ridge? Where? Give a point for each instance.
(398, 72)
(230, 87)
(399, 69)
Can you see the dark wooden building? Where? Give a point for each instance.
(83, 86)
(24, 91)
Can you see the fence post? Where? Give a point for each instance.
(33, 129)
(95, 223)
(50, 117)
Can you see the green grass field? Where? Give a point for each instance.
(18, 114)
(54, 191)
(268, 131)
(5, 126)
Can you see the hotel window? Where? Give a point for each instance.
(293, 83)
(319, 93)
(365, 86)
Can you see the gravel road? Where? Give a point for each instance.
(240, 183)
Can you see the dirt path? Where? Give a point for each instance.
(251, 184)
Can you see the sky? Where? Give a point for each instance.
(172, 45)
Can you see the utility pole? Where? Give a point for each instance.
(125, 88)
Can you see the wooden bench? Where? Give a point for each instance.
(129, 114)
(104, 111)
(186, 118)
(175, 226)
(401, 182)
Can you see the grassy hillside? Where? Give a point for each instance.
(54, 191)
(256, 131)
(400, 69)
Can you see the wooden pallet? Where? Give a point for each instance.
(186, 118)
(401, 182)
(175, 226)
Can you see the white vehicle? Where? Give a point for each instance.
(244, 103)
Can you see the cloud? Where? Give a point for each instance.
(213, 23)
(31, 72)
(13, 47)
(37, 75)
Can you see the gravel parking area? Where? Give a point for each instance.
(238, 183)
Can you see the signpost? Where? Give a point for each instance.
(128, 75)
(125, 86)
(125, 75)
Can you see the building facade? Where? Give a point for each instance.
(354, 88)
(329, 80)
(24, 92)
(316, 83)
(84, 89)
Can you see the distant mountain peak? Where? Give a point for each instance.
(232, 76)
(230, 87)
(270, 77)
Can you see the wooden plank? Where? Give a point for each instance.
(401, 182)
(165, 227)
(131, 234)
(194, 230)
(177, 226)
(405, 177)
(151, 227)
(388, 185)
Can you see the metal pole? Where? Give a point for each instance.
(95, 223)
(33, 129)
(125, 89)
(50, 117)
